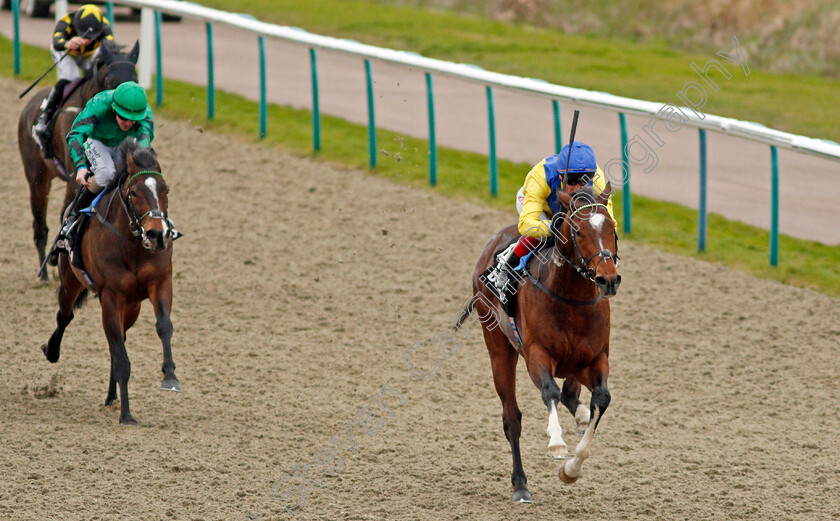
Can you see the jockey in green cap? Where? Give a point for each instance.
(108, 118)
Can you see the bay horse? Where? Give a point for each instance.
(127, 257)
(111, 68)
(563, 326)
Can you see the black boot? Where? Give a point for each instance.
(504, 274)
(80, 202)
(45, 113)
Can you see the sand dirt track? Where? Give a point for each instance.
(298, 288)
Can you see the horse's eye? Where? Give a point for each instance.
(132, 193)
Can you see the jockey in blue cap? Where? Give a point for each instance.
(537, 200)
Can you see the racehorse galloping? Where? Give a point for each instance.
(111, 69)
(564, 324)
(127, 255)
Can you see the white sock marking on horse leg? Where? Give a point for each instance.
(573, 466)
(582, 415)
(556, 446)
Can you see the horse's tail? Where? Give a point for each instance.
(80, 300)
(465, 312)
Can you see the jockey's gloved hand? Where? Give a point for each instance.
(82, 176)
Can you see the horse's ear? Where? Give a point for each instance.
(106, 54)
(565, 199)
(130, 165)
(605, 194)
(134, 53)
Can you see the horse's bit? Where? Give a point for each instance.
(135, 223)
(584, 269)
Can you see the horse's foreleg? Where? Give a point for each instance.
(541, 370)
(595, 378)
(113, 313)
(161, 297)
(130, 318)
(571, 400)
(503, 359)
(68, 293)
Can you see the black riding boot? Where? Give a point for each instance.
(82, 201)
(46, 111)
(503, 274)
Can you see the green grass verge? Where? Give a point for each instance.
(648, 71)
(666, 226)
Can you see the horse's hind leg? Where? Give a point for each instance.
(570, 398)
(595, 378)
(69, 293)
(161, 297)
(39, 191)
(503, 359)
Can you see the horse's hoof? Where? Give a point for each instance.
(522, 496)
(563, 477)
(46, 349)
(44, 278)
(110, 401)
(170, 385)
(128, 420)
(558, 452)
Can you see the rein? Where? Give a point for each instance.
(583, 270)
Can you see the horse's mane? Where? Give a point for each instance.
(144, 158)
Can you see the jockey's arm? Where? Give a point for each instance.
(146, 130)
(62, 33)
(599, 182)
(82, 129)
(536, 192)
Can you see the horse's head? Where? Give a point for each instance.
(114, 67)
(586, 237)
(146, 196)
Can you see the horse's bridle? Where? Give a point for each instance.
(583, 268)
(135, 222)
(96, 70)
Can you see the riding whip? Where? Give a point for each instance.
(571, 145)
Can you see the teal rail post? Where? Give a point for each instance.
(558, 128)
(158, 61)
(263, 102)
(316, 112)
(371, 123)
(625, 166)
(109, 12)
(774, 206)
(432, 139)
(16, 23)
(494, 167)
(211, 101)
(701, 206)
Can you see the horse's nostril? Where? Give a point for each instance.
(601, 281)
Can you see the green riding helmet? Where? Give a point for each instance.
(130, 101)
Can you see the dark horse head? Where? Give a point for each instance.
(113, 67)
(586, 237)
(145, 194)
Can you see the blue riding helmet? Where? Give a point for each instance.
(581, 162)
